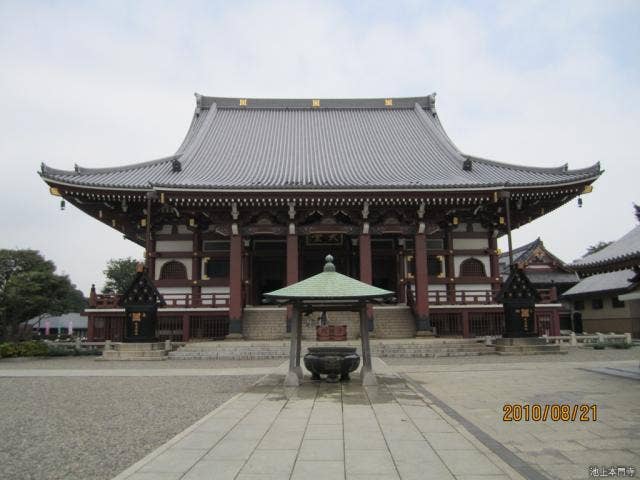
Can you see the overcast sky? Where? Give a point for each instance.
(110, 83)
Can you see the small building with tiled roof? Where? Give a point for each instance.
(607, 299)
(546, 272)
(543, 268)
(261, 190)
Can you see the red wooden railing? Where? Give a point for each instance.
(187, 300)
(463, 297)
(481, 297)
(221, 300)
(172, 300)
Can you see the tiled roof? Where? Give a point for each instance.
(603, 282)
(548, 277)
(61, 321)
(351, 144)
(627, 247)
(524, 252)
(520, 254)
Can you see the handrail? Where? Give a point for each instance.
(172, 300)
(480, 297)
(600, 338)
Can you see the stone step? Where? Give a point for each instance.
(134, 351)
(115, 355)
(530, 350)
(257, 350)
(137, 346)
(527, 346)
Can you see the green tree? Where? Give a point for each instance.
(591, 249)
(119, 273)
(29, 287)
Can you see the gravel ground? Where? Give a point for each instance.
(575, 355)
(94, 427)
(91, 364)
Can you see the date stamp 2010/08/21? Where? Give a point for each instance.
(556, 412)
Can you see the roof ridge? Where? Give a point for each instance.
(381, 103)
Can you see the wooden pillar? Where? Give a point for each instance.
(494, 260)
(235, 287)
(298, 368)
(401, 276)
(450, 271)
(366, 270)
(292, 267)
(466, 333)
(366, 373)
(507, 204)
(185, 327)
(147, 237)
(555, 323)
(247, 294)
(292, 379)
(196, 264)
(90, 328)
(152, 257)
(422, 304)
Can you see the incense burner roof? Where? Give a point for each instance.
(329, 285)
(305, 145)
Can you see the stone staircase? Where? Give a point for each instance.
(134, 351)
(408, 348)
(527, 346)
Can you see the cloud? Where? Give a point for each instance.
(101, 84)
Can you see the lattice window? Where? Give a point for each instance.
(217, 267)
(435, 265)
(472, 267)
(173, 270)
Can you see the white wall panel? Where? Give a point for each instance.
(174, 246)
(470, 243)
(472, 286)
(168, 290)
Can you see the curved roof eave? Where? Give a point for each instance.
(324, 189)
(46, 170)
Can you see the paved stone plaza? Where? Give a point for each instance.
(428, 418)
(421, 422)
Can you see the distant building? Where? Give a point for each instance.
(60, 324)
(550, 275)
(607, 299)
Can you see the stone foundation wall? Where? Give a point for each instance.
(269, 323)
(266, 323)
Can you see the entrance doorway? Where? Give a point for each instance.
(384, 264)
(268, 267)
(314, 249)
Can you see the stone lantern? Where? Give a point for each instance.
(518, 297)
(141, 301)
